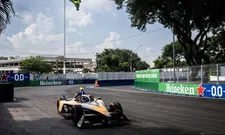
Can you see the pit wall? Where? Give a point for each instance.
(202, 90)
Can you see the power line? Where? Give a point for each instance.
(124, 38)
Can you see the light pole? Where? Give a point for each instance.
(64, 61)
(131, 55)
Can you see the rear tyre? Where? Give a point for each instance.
(77, 113)
(115, 106)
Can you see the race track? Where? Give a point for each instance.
(34, 113)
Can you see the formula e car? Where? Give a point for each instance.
(87, 110)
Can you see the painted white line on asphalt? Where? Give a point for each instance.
(149, 92)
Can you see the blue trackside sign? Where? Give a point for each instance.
(213, 90)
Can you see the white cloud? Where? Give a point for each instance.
(148, 51)
(83, 17)
(76, 50)
(110, 41)
(26, 17)
(97, 4)
(78, 18)
(38, 35)
(71, 30)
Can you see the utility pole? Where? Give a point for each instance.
(64, 60)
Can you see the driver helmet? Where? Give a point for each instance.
(84, 98)
(81, 88)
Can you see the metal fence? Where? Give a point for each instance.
(213, 74)
(116, 75)
(64, 77)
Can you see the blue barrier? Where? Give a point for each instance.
(91, 81)
(212, 90)
(115, 82)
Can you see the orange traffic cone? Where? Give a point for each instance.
(96, 83)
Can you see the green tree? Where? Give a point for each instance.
(86, 70)
(116, 60)
(35, 66)
(4, 58)
(163, 62)
(166, 59)
(216, 49)
(182, 17)
(11, 58)
(6, 12)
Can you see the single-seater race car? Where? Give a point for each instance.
(87, 110)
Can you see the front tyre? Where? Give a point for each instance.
(115, 107)
(77, 113)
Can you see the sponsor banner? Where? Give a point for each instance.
(185, 89)
(148, 75)
(34, 83)
(46, 83)
(212, 90)
(15, 77)
(146, 85)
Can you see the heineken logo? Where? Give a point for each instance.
(43, 83)
(180, 89)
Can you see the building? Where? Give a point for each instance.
(72, 64)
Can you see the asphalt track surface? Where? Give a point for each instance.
(34, 113)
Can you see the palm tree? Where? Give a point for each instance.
(6, 11)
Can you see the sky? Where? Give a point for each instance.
(38, 29)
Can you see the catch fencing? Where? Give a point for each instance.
(86, 76)
(213, 74)
(116, 75)
(68, 76)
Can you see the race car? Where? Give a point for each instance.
(86, 110)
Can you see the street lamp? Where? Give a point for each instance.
(131, 55)
(64, 62)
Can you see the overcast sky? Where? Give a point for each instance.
(38, 28)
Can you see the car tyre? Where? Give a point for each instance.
(115, 106)
(77, 113)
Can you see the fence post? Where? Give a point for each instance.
(217, 72)
(187, 75)
(201, 74)
(162, 74)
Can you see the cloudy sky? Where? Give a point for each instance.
(38, 28)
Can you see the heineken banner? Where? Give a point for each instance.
(148, 76)
(186, 89)
(45, 83)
